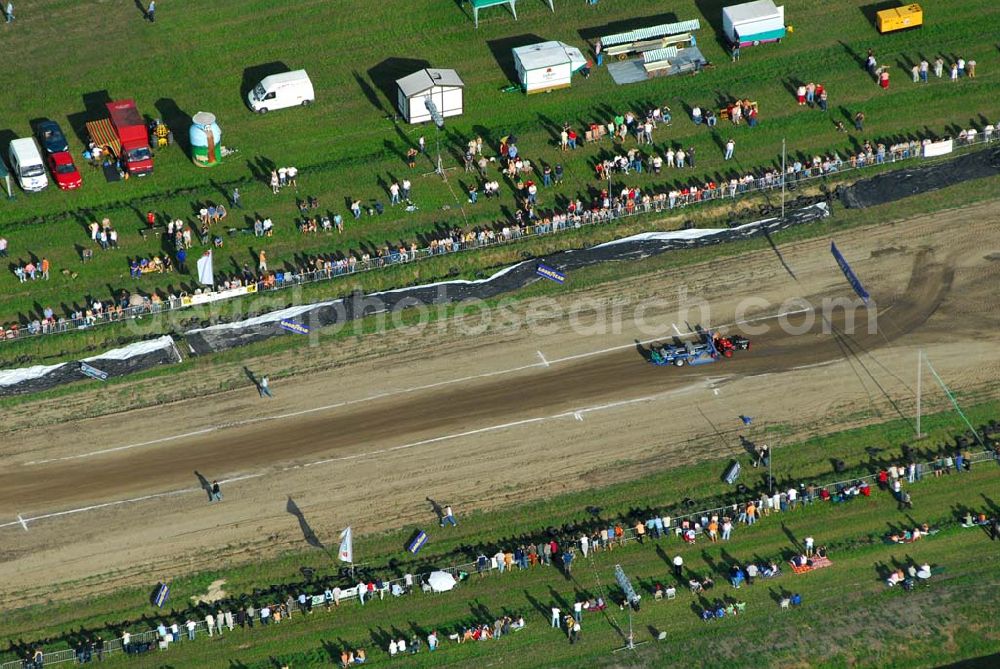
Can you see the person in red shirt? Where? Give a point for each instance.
(150, 219)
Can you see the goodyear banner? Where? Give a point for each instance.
(852, 278)
(292, 326)
(418, 542)
(550, 273)
(161, 595)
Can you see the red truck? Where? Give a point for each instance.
(124, 134)
(136, 155)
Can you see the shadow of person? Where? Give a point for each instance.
(438, 509)
(205, 484)
(253, 379)
(307, 531)
(791, 536)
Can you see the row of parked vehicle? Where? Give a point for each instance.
(121, 136)
(124, 135)
(28, 164)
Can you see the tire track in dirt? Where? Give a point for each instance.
(531, 394)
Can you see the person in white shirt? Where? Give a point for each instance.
(809, 546)
(578, 611)
(401, 645)
(393, 648)
(555, 617)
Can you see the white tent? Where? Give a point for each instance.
(547, 66)
(441, 581)
(444, 87)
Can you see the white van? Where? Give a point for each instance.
(26, 162)
(288, 89)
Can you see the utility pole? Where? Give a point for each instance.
(439, 122)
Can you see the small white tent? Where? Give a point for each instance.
(547, 66)
(444, 87)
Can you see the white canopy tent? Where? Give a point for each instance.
(441, 581)
(444, 87)
(483, 4)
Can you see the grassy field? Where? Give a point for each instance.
(53, 349)
(346, 145)
(849, 619)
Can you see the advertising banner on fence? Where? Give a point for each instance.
(215, 296)
(938, 148)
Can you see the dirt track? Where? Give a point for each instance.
(546, 425)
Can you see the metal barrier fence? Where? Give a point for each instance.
(499, 235)
(629, 534)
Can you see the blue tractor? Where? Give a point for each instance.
(682, 353)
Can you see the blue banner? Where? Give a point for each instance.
(161, 595)
(852, 278)
(292, 326)
(418, 542)
(550, 273)
(93, 372)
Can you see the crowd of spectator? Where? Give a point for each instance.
(528, 218)
(559, 548)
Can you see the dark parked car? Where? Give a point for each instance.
(51, 137)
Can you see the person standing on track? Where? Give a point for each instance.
(216, 492)
(264, 387)
(449, 517)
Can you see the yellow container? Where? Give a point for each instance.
(899, 18)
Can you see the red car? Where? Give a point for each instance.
(64, 171)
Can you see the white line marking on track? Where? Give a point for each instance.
(575, 413)
(544, 361)
(22, 521)
(391, 393)
(676, 329)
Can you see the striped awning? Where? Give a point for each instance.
(103, 134)
(652, 33)
(657, 55)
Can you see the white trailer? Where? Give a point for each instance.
(547, 66)
(753, 23)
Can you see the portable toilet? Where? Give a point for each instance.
(206, 140)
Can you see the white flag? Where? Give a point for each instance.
(346, 546)
(205, 269)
